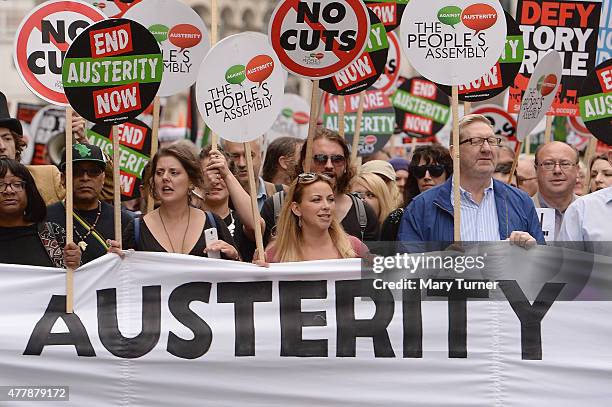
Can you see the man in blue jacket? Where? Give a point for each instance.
(490, 210)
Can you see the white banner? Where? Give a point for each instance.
(219, 333)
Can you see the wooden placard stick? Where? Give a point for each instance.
(548, 136)
(312, 123)
(456, 165)
(214, 37)
(588, 156)
(467, 108)
(69, 209)
(254, 207)
(154, 143)
(355, 146)
(341, 115)
(116, 184)
(517, 152)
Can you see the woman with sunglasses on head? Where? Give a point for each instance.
(430, 166)
(307, 226)
(175, 226)
(25, 238)
(372, 189)
(331, 156)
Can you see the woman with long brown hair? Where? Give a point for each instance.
(175, 226)
(307, 227)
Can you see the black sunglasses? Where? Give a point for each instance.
(420, 170)
(336, 159)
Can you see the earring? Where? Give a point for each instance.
(299, 221)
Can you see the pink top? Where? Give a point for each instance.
(360, 250)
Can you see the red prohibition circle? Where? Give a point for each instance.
(23, 34)
(276, 21)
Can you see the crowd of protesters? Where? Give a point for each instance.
(327, 212)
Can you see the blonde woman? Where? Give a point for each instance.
(373, 190)
(307, 227)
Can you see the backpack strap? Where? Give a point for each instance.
(277, 200)
(211, 219)
(362, 216)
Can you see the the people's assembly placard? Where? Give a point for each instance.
(240, 87)
(112, 71)
(453, 42)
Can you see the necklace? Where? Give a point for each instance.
(168, 235)
(82, 244)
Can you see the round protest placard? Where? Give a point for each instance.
(182, 36)
(453, 42)
(113, 8)
(377, 122)
(112, 71)
(42, 39)
(504, 125)
(501, 75)
(366, 69)
(388, 11)
(46, 123)
(421, 109)
(539, 94)
(317, 38)
(595, 102)
(388, 79)
(240, 87)
(292, 120)
(134, 152)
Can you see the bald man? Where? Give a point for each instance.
(556, 165)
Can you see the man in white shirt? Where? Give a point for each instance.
(589, 220)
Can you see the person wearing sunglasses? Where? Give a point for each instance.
(93, 218)
(556, 165)
(490, 210)
(432, 165)
(330, 157)
(25, 237)
(308, 228)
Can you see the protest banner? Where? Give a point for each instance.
(567, 26)
(604, 41)
(41, 43)
(239, 93)
(134, 152)
(388, 79)
(366, 69)
(113, 8)
(112, 71)
(46, 123)
(182, 37)
(504, 125)
(501, 75)
(595, 101)
(158, 329)
(388, 11)
(292, 121)
(538, 98)
(377, 122)
(421, 109)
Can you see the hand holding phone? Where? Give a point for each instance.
(210, 235)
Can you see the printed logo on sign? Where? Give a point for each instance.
(547, 83)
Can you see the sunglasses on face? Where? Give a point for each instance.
(336, 159)
(92, 172)
(309, 177)
(420, 170)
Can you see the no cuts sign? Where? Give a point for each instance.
(42, 41)
(317, 38)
